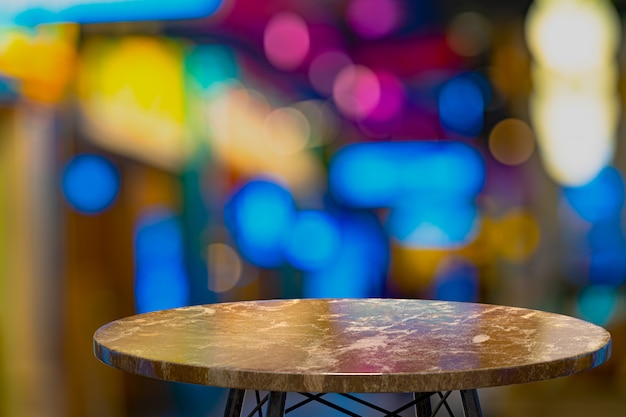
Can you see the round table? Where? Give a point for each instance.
(352, 346)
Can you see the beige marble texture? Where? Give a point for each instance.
(352, 345)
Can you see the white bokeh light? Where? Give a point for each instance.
(574, 107)
(572, 36)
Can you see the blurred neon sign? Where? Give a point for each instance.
(429, 187)
(128, 107)
(382, 174)
(35, 12)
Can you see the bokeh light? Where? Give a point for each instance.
(385, 117)
(42, 59)
(323, 122)
(461, 106)
(469, 34)
(129, 108)
(8, 90)
(211, 65)
(434, 223)
(456, 279)
(597, 304)
(600, 199)
(576, 132)
(312, 240)
(608, 266)
(374, 18)
(37, 12)
(574, 108)
(381, 174)
(259, 216)
(606, 234)
(359, 267)
(161, 280)
(90, 183)
(286, 41)
(356, 91)
(594, 249)
(516, 235)
(391, 97)
(225, 267)
(441, 169)
(573, 36)
(324, 69)
(511, 141)
(362, 176)
(237, 117)
(286, 131)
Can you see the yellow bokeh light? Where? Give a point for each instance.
(468, 34)
(286, 131)
(43, 60)
(512, 141)
(224, 265)
(128, 73)
(413, 269)
(324, 124)
(516, 235)
(237, 118)
(132, 96)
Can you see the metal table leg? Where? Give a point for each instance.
(423, 407)
(276, 406)
(234, 402)
(471, 404)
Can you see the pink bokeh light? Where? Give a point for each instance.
(391, 98)
(356, 91)
(373, 19)
(385, 117)
(324, 69)
(286, 41)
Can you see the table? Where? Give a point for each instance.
(346, 346)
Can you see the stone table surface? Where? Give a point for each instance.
(352, 345)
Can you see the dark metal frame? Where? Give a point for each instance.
(276, 402)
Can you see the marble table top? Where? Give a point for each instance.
(352, 345)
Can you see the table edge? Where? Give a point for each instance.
(347, 383)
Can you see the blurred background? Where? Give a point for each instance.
(156, 154)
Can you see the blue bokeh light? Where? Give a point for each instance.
(211, 64)
(461, 106)
(8, 88)
(435, 223)
(312, 240)
(608, 266)
(446, 169)
(258, 217)
(372, 175)
(600, 199)
(161, 280)
(160, 286)
(456, 280)
(90, 183)
(365, 175)
(359, 268)
(36, 12)
(606, 235)
(158, 236)
(597, 304)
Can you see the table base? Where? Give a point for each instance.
(422, 404)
